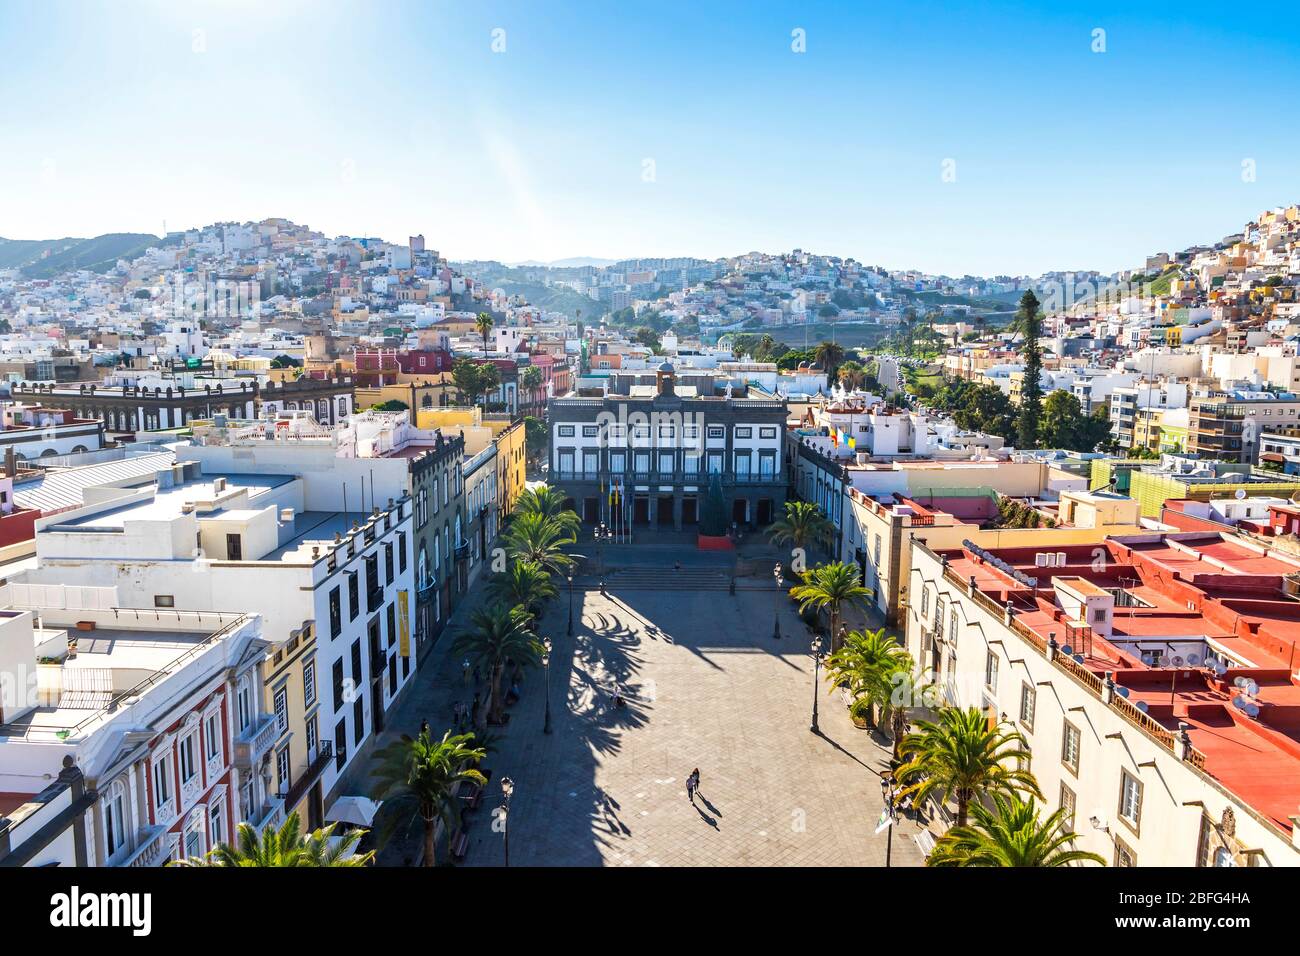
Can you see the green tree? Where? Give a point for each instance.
(833, 587)
(540, 539)
(1031, 392)
(851, 374)
(496, 634)
(1010, 833)
(536, 437)
(489, 378)
(829, 355)
(524, 583)
(483, 324)
(803, 523)
(713, 515)
(418, 776)
(963, 757)
(530, 378)
(550, 502)
(467, 378)
(864, 666)
(285, 846)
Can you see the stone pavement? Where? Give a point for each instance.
(707, 687)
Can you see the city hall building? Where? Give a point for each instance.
(642, 454)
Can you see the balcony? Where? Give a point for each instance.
(378, 662)
(271, 815)
(255, 741)
(374, 599)
(153, 849)
(316, 764)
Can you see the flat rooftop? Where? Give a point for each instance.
(167, 502)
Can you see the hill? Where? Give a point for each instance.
(44, 258)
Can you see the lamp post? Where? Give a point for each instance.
(776, 604)
(569, 575)
(546, 667)
(507, 788)
(887, 791)
(603, 533)
(816, 647)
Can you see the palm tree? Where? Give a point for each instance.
(419, 776)
(865, 665)
(830, 586)
(803, 522)
(549, 501)
(537, 538)
(1010, 834)
(497, 634)
(963, 756)
(829, 355)
(483, 324)
(906, 691)
(524, 583)
(285, 847)
(489, 377)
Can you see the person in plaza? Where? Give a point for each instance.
(692, 784)
(464, 670)
(424, 726)
(474, 712)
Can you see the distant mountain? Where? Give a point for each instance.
(578, 262)
(44, 258)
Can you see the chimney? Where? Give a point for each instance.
(11, 463)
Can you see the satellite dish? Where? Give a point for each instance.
(1220, 668)
(1194, 659)
(1238, 703)
(1141, 705)
(1239, 682)
(1178, 660)
(1122, 691)
(1252, 710)
(1078, 658)
(1241, 493)
(1252, 688)
(1067, 650)
(1148, 658)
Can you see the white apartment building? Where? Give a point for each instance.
(335, 590)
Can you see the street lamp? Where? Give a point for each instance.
(546, 666)
(603, 533)
(507, 788)
(887, 791)
(776, 609)
(816, 647)
(569, 575)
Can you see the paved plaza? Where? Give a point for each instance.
(708, 686)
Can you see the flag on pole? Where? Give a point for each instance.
(885, 822)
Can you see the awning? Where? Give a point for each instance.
(359, 811)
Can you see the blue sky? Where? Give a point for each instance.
(621, 129)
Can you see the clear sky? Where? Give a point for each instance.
(618, 129)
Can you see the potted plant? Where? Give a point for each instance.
(860, 713)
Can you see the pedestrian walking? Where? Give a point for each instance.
(424, 726)
(692, 784)
(464, 671)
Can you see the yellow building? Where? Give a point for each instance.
(479, 430)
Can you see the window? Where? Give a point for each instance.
(282, 770)
(188, 767)
(401, 552)
(1068, 802)
(161, 781)
(590, 431)
(354, 601)
(336, 613)
(311, 737)
(388, 564)
(392, 625)
(744, 431)
(340, 744)
(358, 720)
(216, 822)
(1070, 748)
(1027, 701)
(1099, 615)
(952, 627)
(991, 671)
(115, 819)
(338, 684)
(566, 431)
(164, 600)
(1124, 856)
(244, 704)
(767, 433)
(282, 710)
(309, 683)
(1130, 798)
(925, 601)
(356, 662)
(212, 736)
(717, 431)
